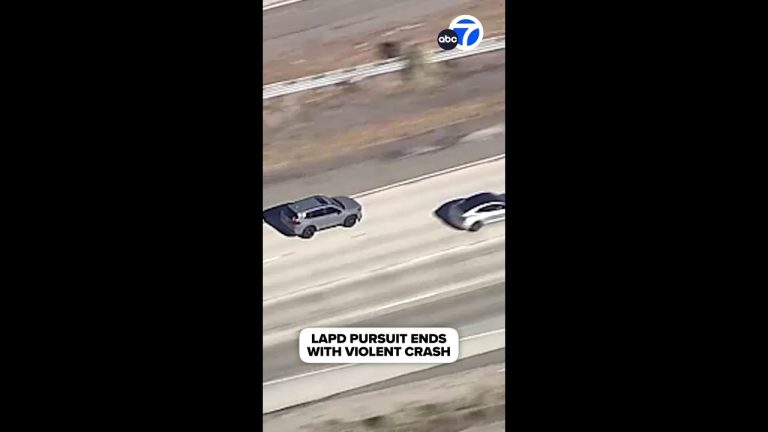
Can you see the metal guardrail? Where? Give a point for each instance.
(361, 72)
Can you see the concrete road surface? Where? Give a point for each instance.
(399, 253)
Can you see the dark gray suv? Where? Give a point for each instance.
(316, 213)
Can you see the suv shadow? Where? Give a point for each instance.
(272, 218)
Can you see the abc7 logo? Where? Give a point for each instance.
(447, 39)
(465, 32)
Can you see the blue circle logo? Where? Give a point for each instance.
(469, 31)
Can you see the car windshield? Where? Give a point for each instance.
(337, 202)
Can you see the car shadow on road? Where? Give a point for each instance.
(271, 217)
(442, 213)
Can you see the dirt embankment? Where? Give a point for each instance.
(364, 48)
(315, 127)
(448, 403)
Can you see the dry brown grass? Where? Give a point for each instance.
(486, 406)
(288, 154)
(363, 49)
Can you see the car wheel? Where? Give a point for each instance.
(308, 232)
(476, 226)
(350, 221)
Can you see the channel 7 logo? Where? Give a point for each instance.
(464, 33)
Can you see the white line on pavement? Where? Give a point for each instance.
(434, 174)
(483, 334)
(272, 5)
(267, 260)
(304, 375)
(406, 301)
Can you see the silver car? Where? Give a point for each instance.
(476, 211)
(312, 214)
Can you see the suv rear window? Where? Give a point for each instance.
(338, 203)
(290, 213)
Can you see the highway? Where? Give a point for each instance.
(399, 252)
(400, 266)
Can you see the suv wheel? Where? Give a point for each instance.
(350, 221)
(476, 226)
(308, 232)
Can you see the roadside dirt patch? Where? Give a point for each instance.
(306, 150)
(365, 47)
(326, 128)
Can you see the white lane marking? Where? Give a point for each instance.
(304, 291)
(434, 254)
(406, 301)
(466, 338)
(409, 300)
(268, 260)
(330, 369)
(390, 267)
(290, 378)
(449, 250)
(412, 26)
(279, 4)
(502, 370)
(434, 174)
